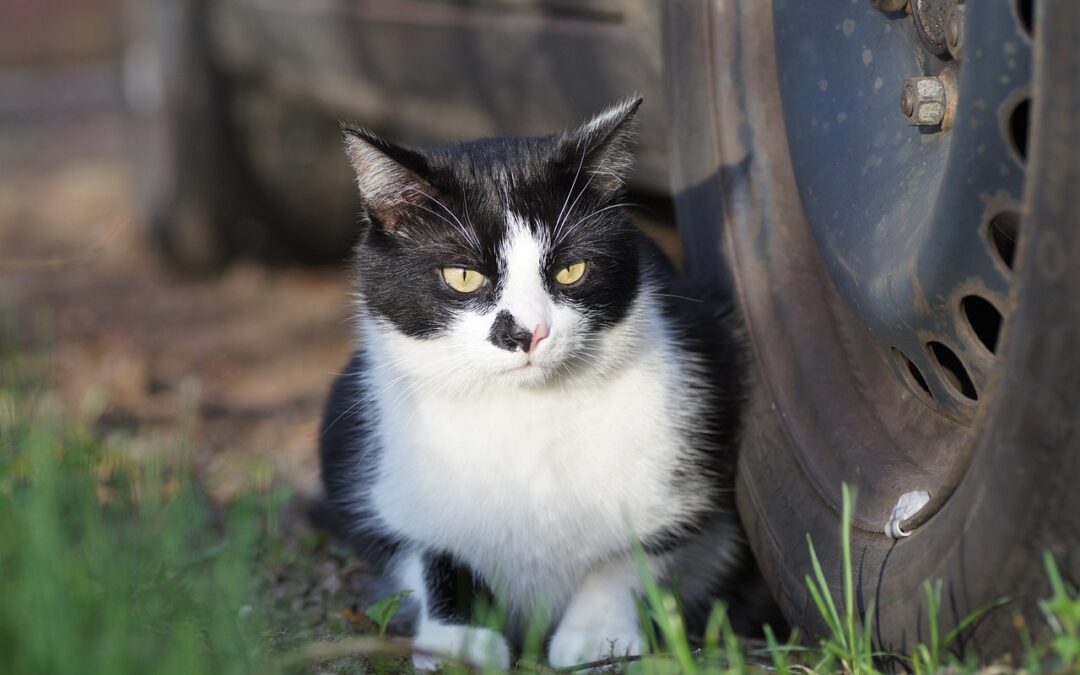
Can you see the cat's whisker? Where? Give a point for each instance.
(470, 237)
(596, 213)
(677, 297)
(405, 374)
(559, 231)
(337, 419)
(573, 183)
(465, 205)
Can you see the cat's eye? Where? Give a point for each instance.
(462, 280)
(570, 274)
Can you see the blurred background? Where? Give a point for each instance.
(175, 207)
(176, 213)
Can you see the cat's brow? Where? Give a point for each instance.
(559, 239)
(470, 237)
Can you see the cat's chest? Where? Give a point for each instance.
(529, 475)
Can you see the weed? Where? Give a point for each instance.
(1062, 612)
(384, 610)
(848, 641)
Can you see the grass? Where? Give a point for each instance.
(111, 565)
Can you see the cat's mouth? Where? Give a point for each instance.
(528, 371)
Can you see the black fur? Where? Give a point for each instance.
(482, 180)
(507, 334)
(454, 590)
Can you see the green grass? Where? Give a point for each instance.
(846, 646)
(111, 565)
(1062, 612)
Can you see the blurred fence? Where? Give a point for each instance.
(39, 32)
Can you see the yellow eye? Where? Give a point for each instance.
(571, 273)
(462, 280)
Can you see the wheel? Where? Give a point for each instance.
(909, 290)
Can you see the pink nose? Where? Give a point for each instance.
(539, 332)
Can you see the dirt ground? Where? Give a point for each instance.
(233, 369)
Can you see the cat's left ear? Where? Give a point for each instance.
(602, 147)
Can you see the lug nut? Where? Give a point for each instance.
(889, 5)
(954, 31)
(929, 18)
(922, 101)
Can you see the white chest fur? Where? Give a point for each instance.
(533, 487)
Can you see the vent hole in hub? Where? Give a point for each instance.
(1025, 9)
(953, 369)
(1004, 231)
(913, 370)
(1018, 128)
(984, 319)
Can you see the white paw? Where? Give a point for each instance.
(476, 646)
(576, 644)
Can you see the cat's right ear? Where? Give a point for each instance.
(390, 178)
(602, 146)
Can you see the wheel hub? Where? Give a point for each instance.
(914, 208)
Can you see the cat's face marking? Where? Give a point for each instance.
(540, 219)
(529, 327)
(525, 298)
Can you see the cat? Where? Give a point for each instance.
(533, 391)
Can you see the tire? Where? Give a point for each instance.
(831, 403)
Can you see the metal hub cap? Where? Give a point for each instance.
(914, 207)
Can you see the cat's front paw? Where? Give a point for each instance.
(576, 644)
(435, 643)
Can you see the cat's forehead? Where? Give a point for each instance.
(501, 166)
(504, 182)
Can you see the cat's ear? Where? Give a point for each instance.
(603, 146)
(390, 177)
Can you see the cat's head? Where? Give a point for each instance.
(501, 260)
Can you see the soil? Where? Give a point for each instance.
(232, 369)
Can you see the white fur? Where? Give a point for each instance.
(601, 620)
(535, 469)
(524, 294)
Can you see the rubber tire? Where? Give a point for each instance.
(1019, 496)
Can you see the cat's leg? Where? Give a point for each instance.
(602, 619)
(442, 628)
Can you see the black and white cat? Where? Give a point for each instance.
(531, 388)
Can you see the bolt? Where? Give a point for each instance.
(954, 31)
(922, 101)
(907, 101)
(889, 5)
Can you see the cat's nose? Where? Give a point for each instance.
(506, 333)
(539, 332)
